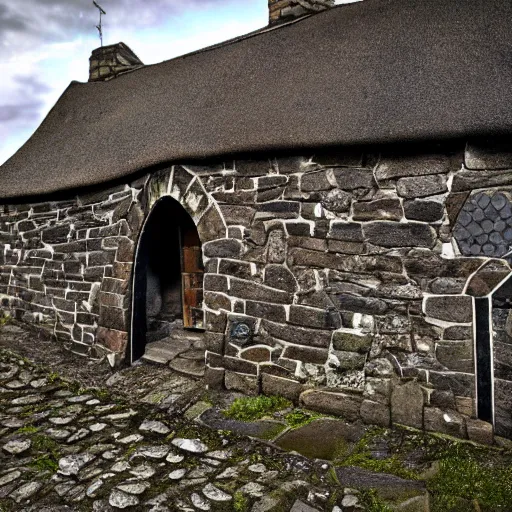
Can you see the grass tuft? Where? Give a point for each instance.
(255, 408)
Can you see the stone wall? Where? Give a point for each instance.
(65, 265)
(343, 280)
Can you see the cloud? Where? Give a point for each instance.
(32, 84)
(44, 44)
(47, 21)
(26, 112)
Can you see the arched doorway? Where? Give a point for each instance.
(168, 287)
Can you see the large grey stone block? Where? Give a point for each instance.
(451, 308)
(398, 166)
(380, 209)
(341, 404)
(422, 186)
(407, 404)
(397, 234)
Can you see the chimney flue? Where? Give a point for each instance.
(285, 10)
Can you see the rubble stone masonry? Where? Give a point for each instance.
(343, 280)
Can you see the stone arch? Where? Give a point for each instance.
(181, 189)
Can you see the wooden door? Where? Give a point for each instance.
(192, 272)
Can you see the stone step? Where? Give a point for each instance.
(165, 350)
(188, 367)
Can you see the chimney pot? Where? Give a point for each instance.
(280, 11)
(107, 62)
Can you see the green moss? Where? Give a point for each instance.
(372, 503)
(101, 394)
(300, 417)
(361, 456)
(52, 377)
(392, 465)
(254, 408)
(48, 460)
(466, 477)
(240, 503)
(29, 429)
(45, 463)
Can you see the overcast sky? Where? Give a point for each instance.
(45, 44)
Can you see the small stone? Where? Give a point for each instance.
(153, 452)
(134, 488)
(61, 420)
(58, 433)
(154, 426)
(349, 501)
(252, 489)
(177, 474)
(215, 494)
(12, 423)
(94, 401)
(269, 477)
(143, 471)
(190, 445)
(72, 464)
(120, 466)
(229, 473)
(173, 458)
(39, 383)
(300, 506)
(15, 384)
(187, 482)
(219, 454)
(104, 408)
(17, 446)
(257, 468)
(8, 371)
(200, 472)
(80, 434)
(62, 393)
(97, 427)
(89, 473)
(79, 399)
(121, 416)
(199, 502)
(133, 438)
(63, 488)
(91, 490)
(110, 454)
(25, 491)
(212, 462)
(119, 499)
(27, 400)
(9, 477)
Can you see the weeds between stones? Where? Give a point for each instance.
(255, 408)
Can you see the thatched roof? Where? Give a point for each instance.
(377, 71)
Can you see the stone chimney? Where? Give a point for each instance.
(110, 61)
(285, 10)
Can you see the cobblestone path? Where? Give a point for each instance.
(63, 448)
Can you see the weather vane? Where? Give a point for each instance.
(99, 25)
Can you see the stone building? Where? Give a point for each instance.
(321, 209)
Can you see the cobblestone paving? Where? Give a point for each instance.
(63, 448)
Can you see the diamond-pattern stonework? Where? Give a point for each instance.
(484, 225)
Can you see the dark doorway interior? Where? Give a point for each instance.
(168, 284)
